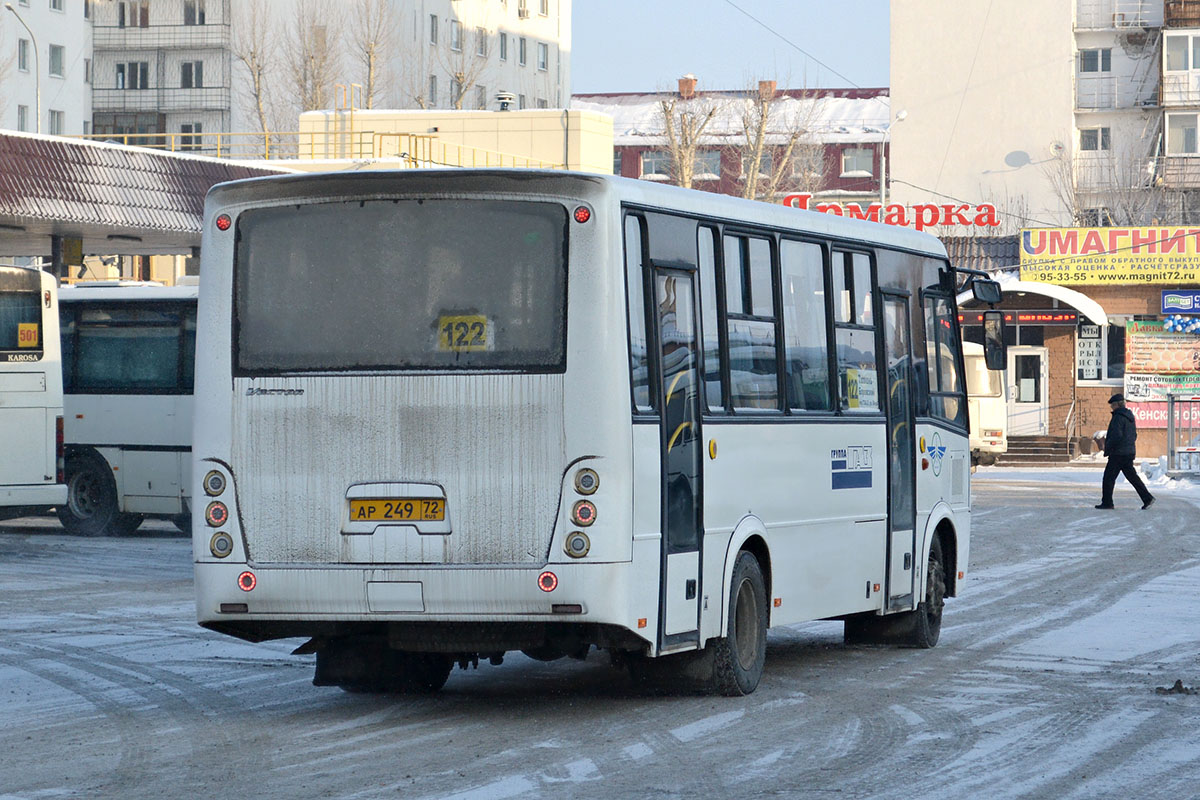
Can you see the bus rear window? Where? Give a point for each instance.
(476, 285)
(20, 322)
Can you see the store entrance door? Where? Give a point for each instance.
(1028, 407)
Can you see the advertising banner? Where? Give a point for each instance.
(1096, 256)
(1180, 301)
(1154, 415)
(1151, 350)
(1157, 387)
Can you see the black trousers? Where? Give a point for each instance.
(1124, 466)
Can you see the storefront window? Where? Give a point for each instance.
(1100, 353)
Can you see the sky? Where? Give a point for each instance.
(646, 45)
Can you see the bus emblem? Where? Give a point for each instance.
(937, 453)
(851, 467)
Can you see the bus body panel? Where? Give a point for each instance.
(31, 399)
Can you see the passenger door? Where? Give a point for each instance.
(901, 445)
(679, 404)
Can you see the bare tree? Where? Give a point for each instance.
(777, 148)
(310, 53)
(464, 59)
(1111, 187)
(685, 120)
(374, 32)
(255, 47)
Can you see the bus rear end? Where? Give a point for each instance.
(385, 453)
(30, 393)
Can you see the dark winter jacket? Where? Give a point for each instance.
(1122, 434)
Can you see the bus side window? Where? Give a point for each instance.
(947, 398)
(858, 377)
(66, 322)
(187, 355)
(750, 321)
(706, 247)
(639, 363)
(806, 351)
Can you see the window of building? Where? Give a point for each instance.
(56, 5)
(1176, 53)
(432, 90)
(707, 166)
(87, 71)
(1100, 353)
(1095, 139)
(23, 55)
(1096, 218)
(543, 56)
(504, 47)
(766, 164)
(191, 139)
(455, 35)
(433, 33)
(22, 118)
(481, 39)
(542, 103)
(1097, 60)
(57, 123)
(87, 14)
(87, 128)
(480, 97)
(521, 51)
(193, 12)
(544, 8)
(133, 14)
(191, 74)
(854, 332)
(1181, 134)
(57, 59)
(858, 162)
(616, 162)
(133, 75)
(521, 101)
(656, 164)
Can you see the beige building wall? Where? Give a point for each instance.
(988, 91)
(550, 138)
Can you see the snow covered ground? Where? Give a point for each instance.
(1154, 473)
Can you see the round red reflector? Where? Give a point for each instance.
(583, 214)
(583, 513)
(547, 581)
(216, 514)
(223, 222)
(247, 581)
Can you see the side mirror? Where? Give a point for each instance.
(985, 291)
(995, 352)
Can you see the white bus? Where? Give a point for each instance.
(442, 415)
(988, 407)
(31, 396)
(128, 362)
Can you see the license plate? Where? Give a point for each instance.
(398, 509)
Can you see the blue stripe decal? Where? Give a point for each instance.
(838, 464)
(852, 480)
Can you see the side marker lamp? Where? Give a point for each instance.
(214, 483)
(587, 481)
(582, 214)
(221, 544)
(223, 222)
(547, 581)
(577, 545)
(583, 513)
(247, 581)
(217, 514)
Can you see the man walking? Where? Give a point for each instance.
(1120, 447)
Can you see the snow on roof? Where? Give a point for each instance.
(833, 116)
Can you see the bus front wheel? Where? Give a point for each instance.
(739, 657)
(92, 508)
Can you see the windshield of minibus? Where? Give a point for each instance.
(981, 381)
(20, 315)
(476, 285)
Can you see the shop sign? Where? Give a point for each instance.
(1180, 301)
(920, 216)
(1154, 415)
(1110, 255)
(1150, 350)
(1089, 353)
(1051, 316)
(1157, 387)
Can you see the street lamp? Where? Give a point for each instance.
(900, 117)
(37, 67)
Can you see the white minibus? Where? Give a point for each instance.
(988, 406)
(442, 415)
(31, 398)
(128, 360)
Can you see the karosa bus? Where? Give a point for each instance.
(443, 415)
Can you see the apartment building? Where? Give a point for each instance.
(46, 62)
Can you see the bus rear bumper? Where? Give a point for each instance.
(288, 601)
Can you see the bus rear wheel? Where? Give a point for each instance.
(919, 628)
(92, 507)
(739, 657)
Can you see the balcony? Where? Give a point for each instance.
(1181, 13)
(1178, 172)
(156, 36)
(1103, 15)
(1105, 172)
(1104, 91)
(162, 99)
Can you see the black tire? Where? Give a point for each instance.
(919, 628)
(739, 657)
(91, 508)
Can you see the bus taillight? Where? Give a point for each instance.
(223, 222)
(60, 475)
(217, 514)
(547, 581)
(583, 214)
(247, 581)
